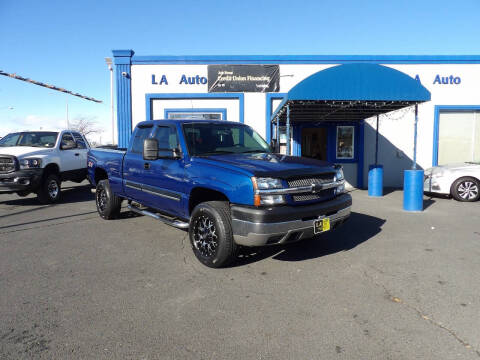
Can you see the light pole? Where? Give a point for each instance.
(110, 67)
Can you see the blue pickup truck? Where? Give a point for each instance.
(220, 181)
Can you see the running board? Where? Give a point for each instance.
(172, 222)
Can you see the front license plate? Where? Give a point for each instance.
(321, 225)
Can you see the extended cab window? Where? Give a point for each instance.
(140, 135)
(167, 140)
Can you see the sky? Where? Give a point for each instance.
(64, 43)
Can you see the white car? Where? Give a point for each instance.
(462, 181)
(38, 161)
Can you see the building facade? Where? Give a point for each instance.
(248, 89)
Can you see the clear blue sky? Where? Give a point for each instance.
(65, 42)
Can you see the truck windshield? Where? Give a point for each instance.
(45, 139)
(215, 139)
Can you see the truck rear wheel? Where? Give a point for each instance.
(49, 190)
(211, 234)
(108, 204)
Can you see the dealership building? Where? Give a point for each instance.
(252, 90)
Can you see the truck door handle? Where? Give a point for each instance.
(146, 166)
(77, 154)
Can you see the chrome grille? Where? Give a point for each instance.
(7, 164)
(307, 181)
(305, 197)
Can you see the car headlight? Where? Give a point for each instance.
(267, 184)
(437, 173)
(30, 163)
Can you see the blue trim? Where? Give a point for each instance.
(268, 113)
(223, 111)
(235, 96)
(122, 59)
(436, 124)
(308, 59)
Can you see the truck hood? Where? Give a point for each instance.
(271, 165)
(24, 151)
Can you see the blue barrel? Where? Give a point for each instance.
(375, 180)
(413, 190)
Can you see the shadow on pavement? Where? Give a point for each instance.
(358, 229)
(72, 194)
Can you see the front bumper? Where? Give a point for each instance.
(435, 185)
(284, 224)
(21, 180)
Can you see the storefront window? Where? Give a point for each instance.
(345, 142)
(195, 115)
(459, 137)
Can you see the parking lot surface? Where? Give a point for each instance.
(387, 285)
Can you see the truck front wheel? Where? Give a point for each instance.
(49, 190)
(108, 204)
(211, 234)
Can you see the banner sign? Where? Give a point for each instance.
(243, 78)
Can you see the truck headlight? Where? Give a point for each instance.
(339, 175)
(340, 189)
(267, 184)
(30, 163)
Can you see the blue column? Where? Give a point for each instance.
(375, 172)
(123, 61)
(413, 179)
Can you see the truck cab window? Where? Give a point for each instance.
(167, 139)
(140, 135)
(67, 138)
(79, 140)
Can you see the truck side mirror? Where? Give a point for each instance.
(150, 149)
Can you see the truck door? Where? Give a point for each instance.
(134, 166)
(164, 179)
(69, 160)
(82, 152)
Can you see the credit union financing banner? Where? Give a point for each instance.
(243, 78)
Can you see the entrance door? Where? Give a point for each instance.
(315, 143)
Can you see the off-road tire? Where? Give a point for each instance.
(108, 204)
(466, 189)
(211, 221)
(49, 190)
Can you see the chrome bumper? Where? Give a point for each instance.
(248, 233)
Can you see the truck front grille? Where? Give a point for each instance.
(7, 164)
(307, 181)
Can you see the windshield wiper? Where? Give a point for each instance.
(253, 151)
(218, 152)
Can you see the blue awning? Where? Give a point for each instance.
(351, 92)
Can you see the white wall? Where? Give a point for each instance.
(396, 129)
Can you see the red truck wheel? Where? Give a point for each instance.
(211, 234)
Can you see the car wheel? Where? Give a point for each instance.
(211, 234)
(49, 191)
(108, 204)
(466, 189)
(23, 193)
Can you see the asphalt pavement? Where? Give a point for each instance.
(387, 285)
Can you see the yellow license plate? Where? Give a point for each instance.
(321, 225)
